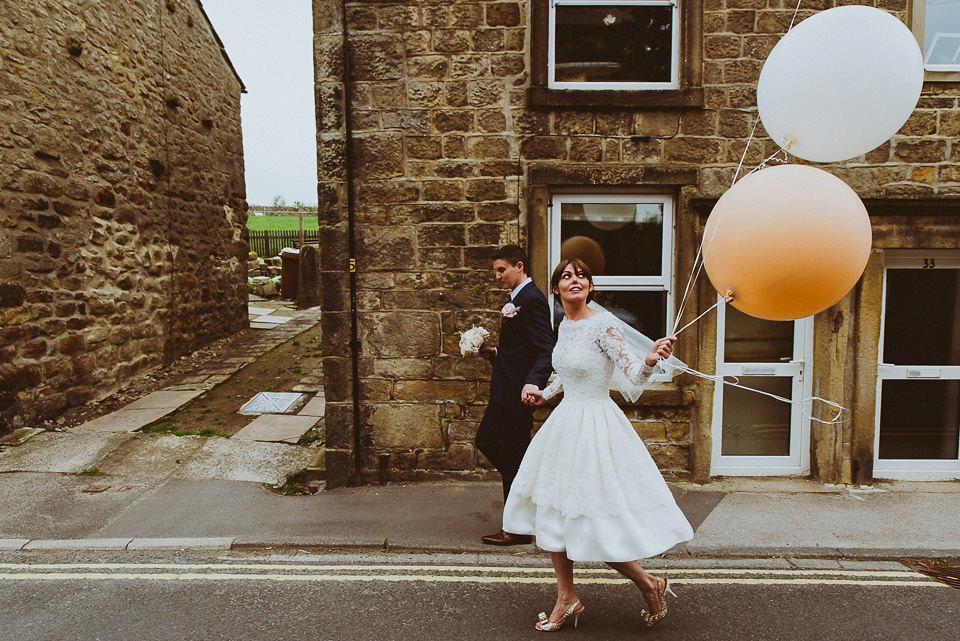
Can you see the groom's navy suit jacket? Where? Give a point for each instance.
(526, 345)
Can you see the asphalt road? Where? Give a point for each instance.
(271, 596)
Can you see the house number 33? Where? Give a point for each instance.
(929, 263)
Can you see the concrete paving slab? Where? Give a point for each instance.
(242, 460)
(316, 406)
(256, 325)
(277, 428)
(164, 399)
(150, 456)
(62, 452)
(181, 543)
(20, 436)
(271, 319)
(97, 545)
(56, 506)
(124, 420)
(811, 524)
(365, 516)
(285, 311)
(258, 311)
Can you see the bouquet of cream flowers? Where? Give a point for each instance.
(471, 340)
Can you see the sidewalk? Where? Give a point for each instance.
(107, 489)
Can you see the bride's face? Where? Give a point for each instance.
(574, 285)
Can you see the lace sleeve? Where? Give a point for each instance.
(633, 367)
(554, 388)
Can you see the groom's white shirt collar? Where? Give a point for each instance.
(516, 290)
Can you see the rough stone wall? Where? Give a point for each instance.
(122, 212)
(451, 160)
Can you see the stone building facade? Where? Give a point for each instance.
(442, 134)
(122, 212)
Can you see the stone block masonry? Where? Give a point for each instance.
(458, 145)
(122, 212)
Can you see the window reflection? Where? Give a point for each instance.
(613, 43)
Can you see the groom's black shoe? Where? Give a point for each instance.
(506, 538)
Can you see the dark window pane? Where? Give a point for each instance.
(622, 239)
(748, 339)
(755, 424)
(610, 43)
(922, 320)
(644, 311)
(919, 419)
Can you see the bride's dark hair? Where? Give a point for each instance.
(580, 269)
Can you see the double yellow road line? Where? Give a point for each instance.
(317, 573)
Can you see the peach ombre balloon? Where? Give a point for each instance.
(786, 242)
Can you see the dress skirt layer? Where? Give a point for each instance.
(588, 486)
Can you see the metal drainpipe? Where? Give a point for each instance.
(355, 478)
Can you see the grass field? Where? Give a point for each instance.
(281, 223)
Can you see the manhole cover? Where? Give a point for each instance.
(942, 572)
(271, 403)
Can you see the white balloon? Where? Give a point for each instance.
(840, 83)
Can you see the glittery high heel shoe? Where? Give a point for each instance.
(546, 625)
(662, 592)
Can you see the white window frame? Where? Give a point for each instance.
(661, 283)
(938, 73)
(912, 469)
(674, 82)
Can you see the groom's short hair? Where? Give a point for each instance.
(513, 254)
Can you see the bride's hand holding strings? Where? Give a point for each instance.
(662, 348)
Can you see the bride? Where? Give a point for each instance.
(587, 488)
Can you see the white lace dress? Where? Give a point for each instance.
(587, 484)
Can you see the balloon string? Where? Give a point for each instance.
(677, 333)
(744, 154)
(839, 417)
(795, 11)
(697, 266)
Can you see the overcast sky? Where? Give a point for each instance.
(270, 43)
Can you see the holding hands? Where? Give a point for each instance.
(532, 395)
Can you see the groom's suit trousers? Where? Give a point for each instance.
(503, 437)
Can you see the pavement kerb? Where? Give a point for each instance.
(116, 545)
(795, 557)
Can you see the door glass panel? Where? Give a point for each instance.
(754, 340)
(921, 322)
(919, 419)
(755, 424)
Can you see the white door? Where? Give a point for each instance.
(754, 434)
(918, 382)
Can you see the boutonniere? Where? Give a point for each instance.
(509, 310)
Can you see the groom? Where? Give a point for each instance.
(521, 364)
